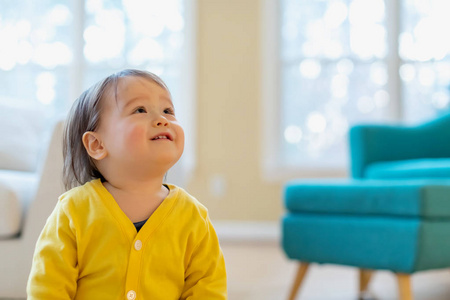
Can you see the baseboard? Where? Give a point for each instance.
(247, 231)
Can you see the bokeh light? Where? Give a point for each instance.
(407, 72)
(45, 83)
(293, 134)
(310, 68)
(50, 55)
(106, 38)
(316, 122)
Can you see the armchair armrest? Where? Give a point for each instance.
(376, 143)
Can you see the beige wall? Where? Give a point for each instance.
(229, 112)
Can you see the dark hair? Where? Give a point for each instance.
(84, 116)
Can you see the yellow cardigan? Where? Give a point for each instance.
(89, 249)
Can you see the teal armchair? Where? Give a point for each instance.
(392, 214)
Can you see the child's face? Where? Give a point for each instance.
(140, 130)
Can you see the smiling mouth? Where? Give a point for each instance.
(161, 137)
(164, 136)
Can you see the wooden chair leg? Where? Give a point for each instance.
(301, 272)
(404, 286)
(364, 279)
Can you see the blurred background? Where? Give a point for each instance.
(266, 90)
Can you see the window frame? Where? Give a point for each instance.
(77, 71)
(273, 167)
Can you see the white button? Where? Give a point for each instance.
(131, 295)
(138, 245)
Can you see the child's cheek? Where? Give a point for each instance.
(136, 135)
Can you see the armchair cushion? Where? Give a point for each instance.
(374, 224)
(408, 198)
(409, 169)
(10, 212)
(404, 245)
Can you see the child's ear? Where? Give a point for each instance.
(93, 145)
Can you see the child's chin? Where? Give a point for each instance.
(167, 160)
(170, 157)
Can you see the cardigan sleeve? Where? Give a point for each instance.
(205, 277)
(54, 271)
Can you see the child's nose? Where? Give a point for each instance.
(160, 121)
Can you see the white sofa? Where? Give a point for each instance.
(30, 183)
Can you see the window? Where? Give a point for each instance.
(52, 50)
(342, 62)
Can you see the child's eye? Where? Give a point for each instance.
(169, 111)
(140, 110)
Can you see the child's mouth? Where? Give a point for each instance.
(162, 136)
